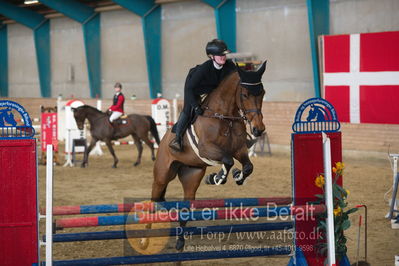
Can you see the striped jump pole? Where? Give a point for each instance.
(180, 216)
(182, 256)
(153, 206)
(174, 231)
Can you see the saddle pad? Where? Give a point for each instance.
(193, 139)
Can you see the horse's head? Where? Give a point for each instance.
(312, 113)
(80, 116)
(250, 97)
(317, 114)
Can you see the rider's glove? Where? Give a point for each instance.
(198, 110)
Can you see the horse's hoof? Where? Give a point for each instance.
(224, 180)
(180, 244)
(210, 179)
(238, 176)
(241, 182)
(114, 166)
(214, 179)
(82, 165)
(220, 180)
(153, 158)
(136, 163)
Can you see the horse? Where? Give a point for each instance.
(138, 126)
(222, 137)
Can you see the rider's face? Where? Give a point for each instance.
(117, 89)
(220, 59)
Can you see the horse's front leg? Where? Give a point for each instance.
(247, 167)
(111, 150)
(88, 150)
(213, 152)
(221, 177)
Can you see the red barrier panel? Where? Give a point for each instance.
(18, 202)
(307, 156)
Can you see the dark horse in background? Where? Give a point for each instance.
(222, 135)
(138, 126)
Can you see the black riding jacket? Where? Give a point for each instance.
(203, 79)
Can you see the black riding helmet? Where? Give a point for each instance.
(216, 47)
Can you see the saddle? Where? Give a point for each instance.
(122, 120)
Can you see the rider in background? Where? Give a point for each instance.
(117, 105)
(202, 80)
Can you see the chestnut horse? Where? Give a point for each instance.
(222, 136)
(138, 126)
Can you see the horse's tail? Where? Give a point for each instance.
(153, 128)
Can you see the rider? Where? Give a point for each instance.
(202, 79)
(117, 105)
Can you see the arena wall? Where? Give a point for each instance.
(276, 30)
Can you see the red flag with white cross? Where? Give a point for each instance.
(360, 76)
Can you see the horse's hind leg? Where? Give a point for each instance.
(111, 150)
(137, 142)
(150, 145)
(190, 178)
(164, 172)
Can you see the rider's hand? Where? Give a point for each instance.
(198, 110)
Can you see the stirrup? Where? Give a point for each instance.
(176, 145)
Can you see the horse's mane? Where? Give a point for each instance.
(221, 86)
(91, 108)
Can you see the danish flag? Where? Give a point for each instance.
(361, 76)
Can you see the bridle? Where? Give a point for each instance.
(242, 111)
(241, 107)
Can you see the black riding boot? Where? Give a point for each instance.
(182, 123)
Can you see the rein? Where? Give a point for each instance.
(241, 109)
(222, 116)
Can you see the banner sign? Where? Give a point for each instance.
(49, 130)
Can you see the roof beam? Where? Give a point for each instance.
(3, 61)
(151, 22)
(226, 25)
(319, 24)
(90, 21)
(23, 16)
(41, 31)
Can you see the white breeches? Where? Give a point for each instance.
(115, 115)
